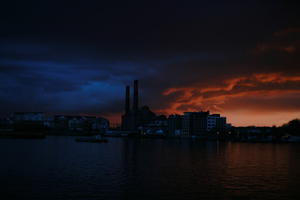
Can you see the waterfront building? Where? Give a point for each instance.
(175, 125)
(81, 123)
(28, 121)
(6, 123)
(49, 122)
(158, 126)
(221, 124)
(28, 116)
(216, 123)
(194, 123)
(77, 123)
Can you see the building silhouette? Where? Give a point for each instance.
(28, 121)
(216, 123)
(142, 119)
(175, 124)
(133, 118)
(194, 123)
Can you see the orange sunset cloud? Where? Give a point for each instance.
(244, 99)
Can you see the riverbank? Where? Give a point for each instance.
(268, 139)
(248, 139)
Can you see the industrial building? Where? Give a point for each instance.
(135, 117)
(142, 119)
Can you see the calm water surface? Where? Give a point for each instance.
(60, 168)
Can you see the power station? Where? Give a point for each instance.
(135, 116)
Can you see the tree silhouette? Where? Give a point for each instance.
(292, 127)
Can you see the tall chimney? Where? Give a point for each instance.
(136, 96)
(127, 99)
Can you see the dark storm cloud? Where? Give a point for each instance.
(77, 56)
(144, 26)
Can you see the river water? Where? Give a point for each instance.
(124, 168)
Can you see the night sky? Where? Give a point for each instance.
(75, 57)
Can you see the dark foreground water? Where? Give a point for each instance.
(60, 168)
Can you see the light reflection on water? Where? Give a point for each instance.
(60, 168)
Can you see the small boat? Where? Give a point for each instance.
(91, 140)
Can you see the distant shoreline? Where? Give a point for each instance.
(43, 134)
